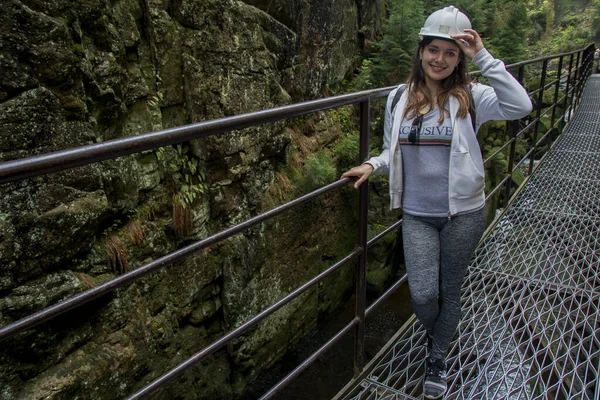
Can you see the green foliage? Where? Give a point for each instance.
(187, 177)
(114, 228)
(393, 60)
(318, 170)
(596, 21)
(568, 26)
(157, 98)
(537, 18)
(389, 239)
(548, 7)
(569, 38)
(346, 150)
(510, 42)
(393, 55)
(364, 77)
(343, 116)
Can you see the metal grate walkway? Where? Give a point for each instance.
(531, 314)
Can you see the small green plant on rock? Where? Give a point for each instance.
(157, 98)
(188, 181)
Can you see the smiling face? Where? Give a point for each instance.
(438, 59)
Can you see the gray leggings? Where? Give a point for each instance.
(437, 252)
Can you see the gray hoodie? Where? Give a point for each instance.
(505, 99)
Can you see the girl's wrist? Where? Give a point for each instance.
(370, 165)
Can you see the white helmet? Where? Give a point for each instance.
(445, 22)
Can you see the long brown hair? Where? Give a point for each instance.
(420, 97)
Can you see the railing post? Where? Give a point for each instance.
(580, 77)
(592, 50)
(575, 86)
(555, 102)
(567, 105)
(538, 114)
(511, 154)
(361, 272)
(587, 57)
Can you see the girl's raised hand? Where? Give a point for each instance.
(470, 42)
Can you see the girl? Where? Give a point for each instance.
(436, 170)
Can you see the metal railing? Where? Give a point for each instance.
(579, 68)
(529, 321)
(574, 80)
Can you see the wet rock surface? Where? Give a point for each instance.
(78, 72)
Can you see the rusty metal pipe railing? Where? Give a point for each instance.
(581, 69)
(575, 86)
(178, 255)
(334, 340)
(387, 293)
(251, 323)
(380, 235)
(319, 352)
(361, 271)
(514, 129)
(38, 165)
(566, 103)
(538, 113)
(93, 153)
(556, 91)
(308, 362)
(546, 58)
(502, 182)
(201, 355)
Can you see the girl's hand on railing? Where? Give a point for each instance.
(362, 172)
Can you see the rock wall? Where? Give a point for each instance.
(75, 72)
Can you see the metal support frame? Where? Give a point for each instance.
(538, 113)
(555, 102)
(567, 104)
(511, 155)
(361, 271)
(575, 87)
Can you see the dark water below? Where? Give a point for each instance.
(332, 371)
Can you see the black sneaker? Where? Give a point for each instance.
(434, 384)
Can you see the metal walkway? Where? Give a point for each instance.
(531, 314)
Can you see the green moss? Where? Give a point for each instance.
(518, 177)
(346, 150)
(376, 279)
(72, 105)
(318, 170)
(77, 49)
(76, 107)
